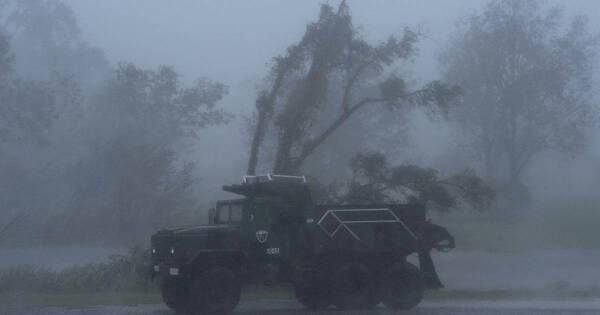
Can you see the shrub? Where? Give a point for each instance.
(120, 273)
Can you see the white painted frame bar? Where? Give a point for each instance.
(342, 223)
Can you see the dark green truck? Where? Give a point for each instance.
(350, 256)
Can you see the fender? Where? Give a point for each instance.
(440, 238)
(433, 237)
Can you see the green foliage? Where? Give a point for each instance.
(85, 152)
(47, 39)
(472, 188)
(121, 273)
(28, 107)
(132, 180)
(375, 181)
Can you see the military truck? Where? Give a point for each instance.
(349, 256)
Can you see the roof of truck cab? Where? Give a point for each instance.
(289, 190)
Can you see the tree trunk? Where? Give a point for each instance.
(259, 134)
(308, 97)
(265, 105)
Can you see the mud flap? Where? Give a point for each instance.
(430, 276)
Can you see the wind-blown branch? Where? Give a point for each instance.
(310, 147)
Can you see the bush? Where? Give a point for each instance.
(121, 273)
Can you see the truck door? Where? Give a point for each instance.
(268, 229)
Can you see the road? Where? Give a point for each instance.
(582, 307)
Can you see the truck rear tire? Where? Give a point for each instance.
(215, 291)
(312, 293)
(402, 286)
(354, 287)
(175, 294)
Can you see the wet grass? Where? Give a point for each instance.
(557, 226)
(76, 301)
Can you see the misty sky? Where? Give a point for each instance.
(232, 42)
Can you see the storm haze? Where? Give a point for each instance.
(234, 41)
(121, 118)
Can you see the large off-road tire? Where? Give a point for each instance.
(312, 291)
(402, 286)
(354, 287)
(175, 294)
(215, 291)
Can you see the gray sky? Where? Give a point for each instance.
(232, 41)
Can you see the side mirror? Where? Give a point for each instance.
(212, 212)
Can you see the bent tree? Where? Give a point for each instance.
(375, 181)
(332, 67)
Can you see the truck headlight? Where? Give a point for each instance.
(172, 251)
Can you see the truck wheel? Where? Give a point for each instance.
(354, 287)
(216, 291)
(310, 293)
(402, 286)
(175, 294)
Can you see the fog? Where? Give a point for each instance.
(122, 117)
(207, 38)
(234, 42)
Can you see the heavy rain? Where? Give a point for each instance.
(299, 157)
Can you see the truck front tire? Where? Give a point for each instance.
(215, 291)
(402, 286)
(175, 294)
(354, 287)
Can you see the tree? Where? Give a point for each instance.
(527, 79)
(132, 179)
(332, 69)
(47, 39)
(26, 109)
(29, 109)
(376, 182)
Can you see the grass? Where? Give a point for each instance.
(557, 226)
(74, 301)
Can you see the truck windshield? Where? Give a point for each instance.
(230, 213)
(266, 210)
(235, 213)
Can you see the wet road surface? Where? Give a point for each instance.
(572, 307)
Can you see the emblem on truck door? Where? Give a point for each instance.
(261, 236)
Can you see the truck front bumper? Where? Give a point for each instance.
(165, 270)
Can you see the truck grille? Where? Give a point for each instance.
(162, 248)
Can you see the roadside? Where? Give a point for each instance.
(265, 294)
(463, 307)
